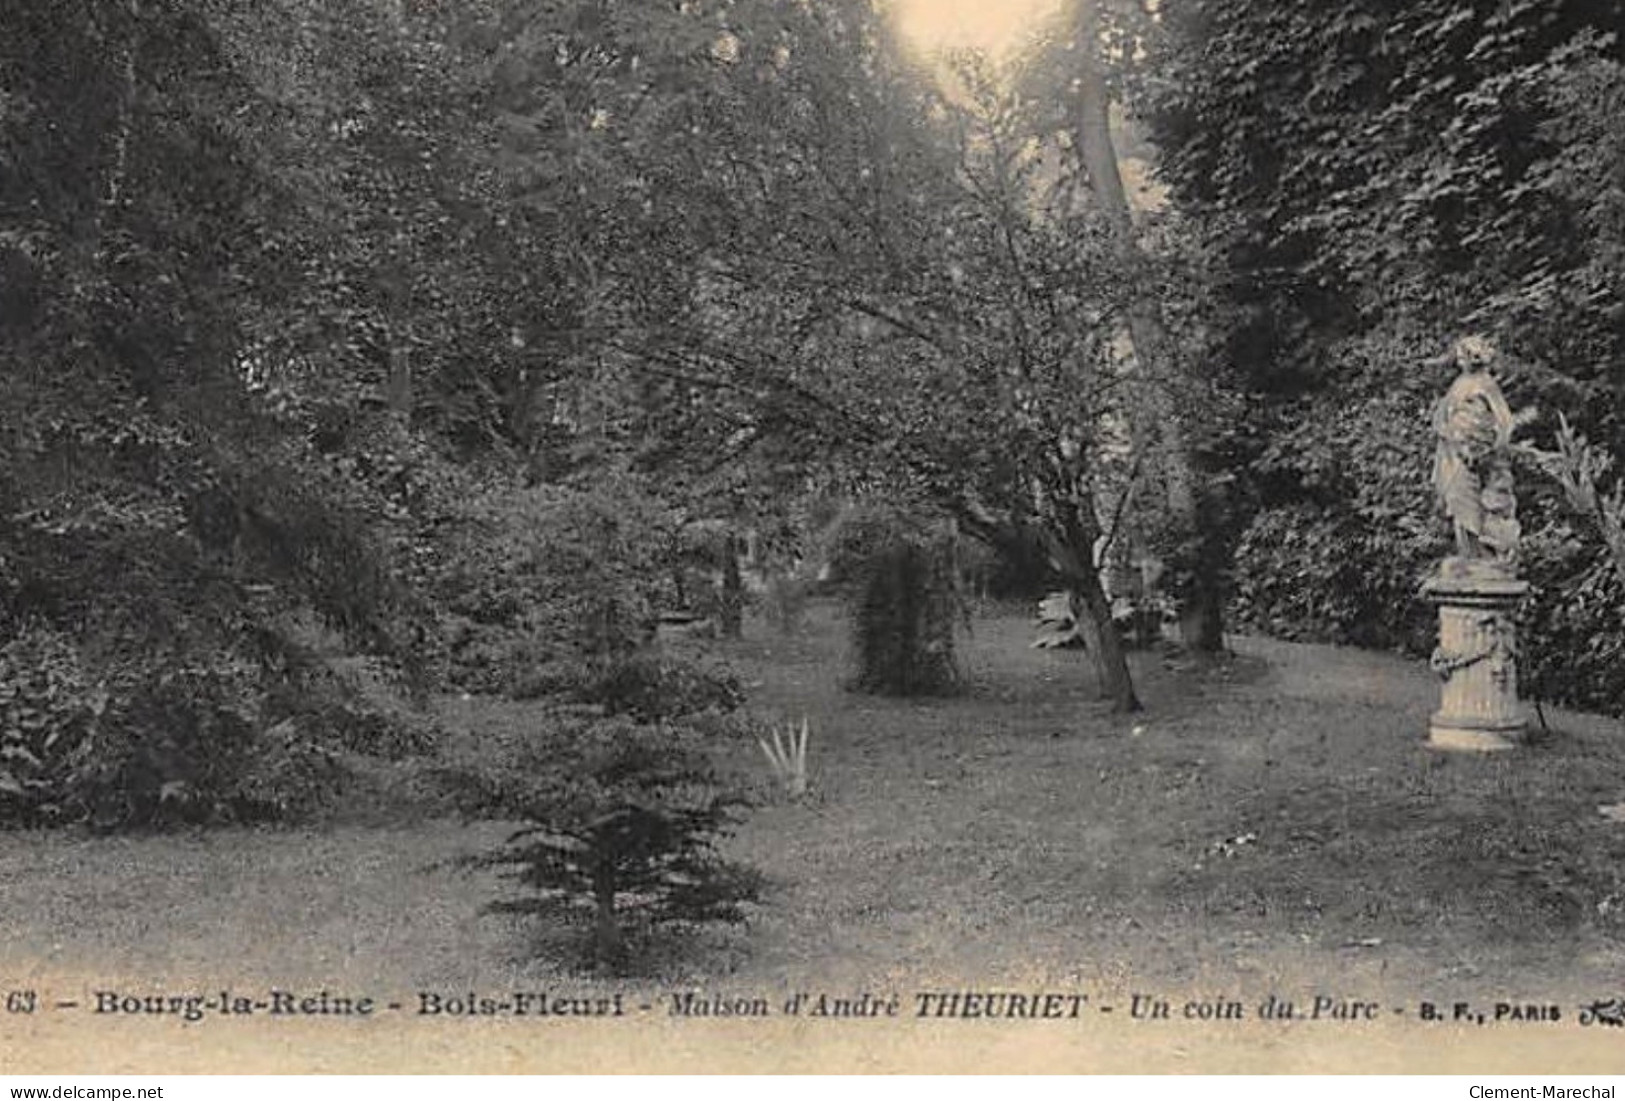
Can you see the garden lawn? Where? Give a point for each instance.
(1271, 824)
(1278, 815)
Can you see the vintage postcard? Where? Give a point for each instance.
(812, 537)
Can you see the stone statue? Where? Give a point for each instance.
(1472, 467)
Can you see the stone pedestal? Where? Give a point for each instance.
(1477, 659)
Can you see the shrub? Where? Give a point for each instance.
(647, 687)
(191, 742)
(621, 820)
(620, 803)
(119, 738)
(1314, 575)
(904, 600)
(48, 716)
(1571, 648)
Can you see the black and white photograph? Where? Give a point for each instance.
(812, 537)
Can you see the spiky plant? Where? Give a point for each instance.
(787, 757)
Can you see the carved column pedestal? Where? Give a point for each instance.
(1477, 658)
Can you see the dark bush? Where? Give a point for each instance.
(1310, 574)
(126, 738)
(550, 574)
(903, 593)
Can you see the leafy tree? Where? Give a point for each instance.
(837, 261)
(1073, 81)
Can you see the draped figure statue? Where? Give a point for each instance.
(1472, 466)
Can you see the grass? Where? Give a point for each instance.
(1269, 821)
(1281, 809)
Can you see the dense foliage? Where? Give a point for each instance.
(165, 526)
(1376, 181)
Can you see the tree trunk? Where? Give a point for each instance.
(1201, 620)
(1201, 623)
(1069, 540)
(121, 140)
(398, 387)
(1076, 561)
(607, 944)
(1111, 663)
(1201, 617)
(733, 590)
(106, 214)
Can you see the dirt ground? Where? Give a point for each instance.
(1272, 827)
